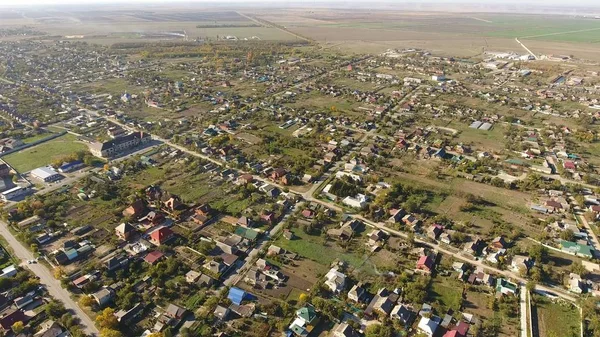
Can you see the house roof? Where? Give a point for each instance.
(425, 261)
(307, 313)
(154, 256)
(236, 295)
(175, 311)
(161, 235)
(125, 228)
(247, 233)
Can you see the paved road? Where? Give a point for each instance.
(523, 306)
(48, 280)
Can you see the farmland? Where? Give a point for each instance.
(43, 154)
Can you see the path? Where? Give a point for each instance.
(527, 49)
(524, 316)
(47, 280)
(591, 234)
(560, 33)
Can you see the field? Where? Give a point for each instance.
(556, 319)
(43, 154)
(462, 34)
(312, 248)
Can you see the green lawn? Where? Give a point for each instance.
(557, 319)
(43, 154)
(445, 293)
(312, 248)
(35, 138)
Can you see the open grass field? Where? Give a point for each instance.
(556, 319)
(43, 154)
(312, 248)
(445, 293)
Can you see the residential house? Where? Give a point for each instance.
(425, 264)
(499, 242)
(103, 296)
(575, 284)
(346, 231)
(357, 293)
(505, 287)
(344, 330)
(136, 210)
(429, 325)
(521, 262)
(125, 231)
(161, 235)
(305, 321)
(335, 280)
(396, 215)
(403, 314)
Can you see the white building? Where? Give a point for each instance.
(359, 201)
(46, 174)
(335, 281)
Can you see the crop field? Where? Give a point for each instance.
(43, 154)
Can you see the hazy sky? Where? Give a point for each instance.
(540, 2)
(491, 5)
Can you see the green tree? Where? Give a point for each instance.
(378, 330)
(106, 332)
(18, 327)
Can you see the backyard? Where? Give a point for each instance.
(556, 319)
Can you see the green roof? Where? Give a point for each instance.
(515, 161)
(307, 313)
(504, 284)
(576, 248)
(247, 233)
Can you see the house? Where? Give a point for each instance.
(429, 325)
(435, 231)
(521, 262)
(125, 231)
(70, 166)
(278, 173)
(575, 284)
(335, 280)
(411, 221)
(136, 210)
(306, 319)
(221, 313)
(403, 314)
(154, 257)
(161, 235)
(346, 231)
(474, 247)
(51, 329)
(357, 293)
(382, 303)
(499, 242)
(359, 201)
(445, 238)
(576, 249)
(308, 213)
(396, 215)
(175, 312)
(495, 257)
(288, 234)
(103, 296)
(344, 330)
(376, 236)
(425, 264)
(192, 276)
(245, 221)
(12, 316)
(460, 330)
(505, 287)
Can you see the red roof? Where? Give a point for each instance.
(425, 261)
(463, 328)
(154, 256)
(161, 235)
(452, 333)
(569, 165)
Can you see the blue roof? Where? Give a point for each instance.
(236, 295)
(73, 163)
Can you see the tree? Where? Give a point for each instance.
(378, 330)
(302, 298)
(87, 301)
(106, 332)
(567, 235)
(18, 327)
(55, 309)
(106, 319)
(530, 286)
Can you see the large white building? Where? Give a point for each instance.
(46, 174)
